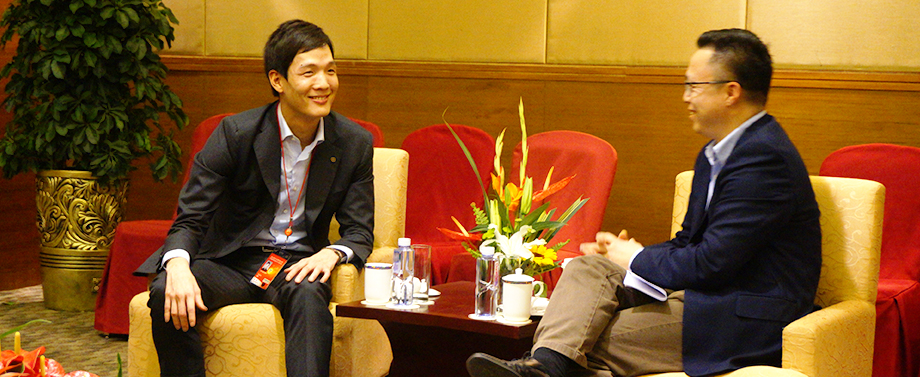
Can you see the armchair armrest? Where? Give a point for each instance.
(348, 282)
(834, 341)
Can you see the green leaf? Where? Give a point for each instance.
(172, 17)
(77, 30)
(89, 39)
(61, 130)
(107, 13)
(20, 327)
(91, 136)
(57, 70)
(62, 33)
(90, 58)
(45, 69)
(139, 89)
(75, 5)
(122, 19)
(132, 15)
(141, 51)
(91, 3)
(61, 56)
(120, 146)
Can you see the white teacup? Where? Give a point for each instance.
(377, 282)
(517, 294)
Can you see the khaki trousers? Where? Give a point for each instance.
(610, 329)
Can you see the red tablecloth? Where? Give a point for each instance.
(897, 329)
(134, 242)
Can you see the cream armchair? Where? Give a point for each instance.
(838, 339)
(248, 339)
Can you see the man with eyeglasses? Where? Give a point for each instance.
(717, 296)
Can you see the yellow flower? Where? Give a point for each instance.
(543, 256)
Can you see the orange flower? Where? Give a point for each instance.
(28, 361)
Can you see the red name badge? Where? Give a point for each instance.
(270, 268)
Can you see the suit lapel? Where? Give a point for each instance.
(323, 167)
(267, 146)
(698, 201)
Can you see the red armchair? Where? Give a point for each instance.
(441, 185)
(897, 333)
(134, 241)
(374, 130)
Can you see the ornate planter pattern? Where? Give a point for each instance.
(77, 218)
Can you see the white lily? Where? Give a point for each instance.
(514, 245)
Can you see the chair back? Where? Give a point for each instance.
(390, 175)
(200, 138)
(851, 233)
(590, 159)
(373, 129)
(898, 168)
(441, 182)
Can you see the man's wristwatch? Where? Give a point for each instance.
(342, 257)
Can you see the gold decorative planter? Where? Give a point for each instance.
(77, 219)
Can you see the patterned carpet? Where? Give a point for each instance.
(69, 338)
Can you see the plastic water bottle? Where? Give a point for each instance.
(403, 273)
(487, 272)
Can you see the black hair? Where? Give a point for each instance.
(743, 55)
(289, 39)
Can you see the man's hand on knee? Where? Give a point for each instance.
(319, 265)
(182, 295)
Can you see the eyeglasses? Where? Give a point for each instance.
(692, 87)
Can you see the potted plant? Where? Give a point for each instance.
(86, 91)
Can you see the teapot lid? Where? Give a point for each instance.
(518, 277)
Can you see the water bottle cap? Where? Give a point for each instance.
(404, 242)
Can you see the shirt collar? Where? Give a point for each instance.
(287, 133)
(719, 152)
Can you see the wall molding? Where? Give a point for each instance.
(783, 78)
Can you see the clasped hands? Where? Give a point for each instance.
(183, 294)
(618, 249)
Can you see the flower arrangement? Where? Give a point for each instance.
(20, 363)
(508, 222)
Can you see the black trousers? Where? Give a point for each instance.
(225, 281)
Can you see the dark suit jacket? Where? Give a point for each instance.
(750, 263)
(234, 184)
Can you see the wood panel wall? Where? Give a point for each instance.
(638, 110)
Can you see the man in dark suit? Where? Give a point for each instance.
(717, 296)
(264, 189)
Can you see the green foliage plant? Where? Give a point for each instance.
(86, 88)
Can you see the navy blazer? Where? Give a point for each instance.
(234, 184)
(750, 263)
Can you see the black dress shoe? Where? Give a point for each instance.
(482, 365)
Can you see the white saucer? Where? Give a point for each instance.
(393, 305)
(420, 302)
(433, 292)
(369, 303)
(502, 320)
(539, 306)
